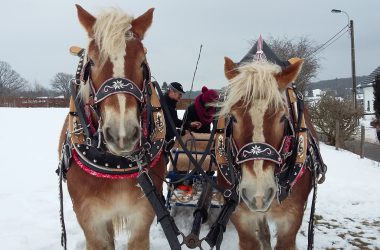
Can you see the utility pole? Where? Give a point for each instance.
(353, 62)
(351, 27)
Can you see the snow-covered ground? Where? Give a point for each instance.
(348, 203)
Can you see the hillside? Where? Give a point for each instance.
(342, 86)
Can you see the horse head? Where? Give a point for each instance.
(256, 100)
(117, 74)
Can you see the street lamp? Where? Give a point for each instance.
(350, 24)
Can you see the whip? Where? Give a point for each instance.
(191, 88)
(195, 71)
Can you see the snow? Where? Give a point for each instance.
(348, 203)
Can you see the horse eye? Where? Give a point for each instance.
(283, 118)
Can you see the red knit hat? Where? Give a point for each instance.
(209, 95)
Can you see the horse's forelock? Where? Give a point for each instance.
(255, 81)
(112, 30)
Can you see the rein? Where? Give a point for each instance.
(171, 231)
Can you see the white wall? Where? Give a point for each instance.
(368, 98)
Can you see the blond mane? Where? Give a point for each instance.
(112, 31)
(255, 81)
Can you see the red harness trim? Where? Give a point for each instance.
(111, 176)
(300, 174)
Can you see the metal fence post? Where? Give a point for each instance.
(337, 135)
(362, 139)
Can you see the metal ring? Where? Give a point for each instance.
(227, 193)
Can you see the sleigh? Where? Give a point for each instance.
(186, 184)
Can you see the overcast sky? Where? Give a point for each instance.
(35, 35)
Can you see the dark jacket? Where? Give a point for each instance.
(171, 104)
(191, 116)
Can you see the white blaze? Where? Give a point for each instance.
(257, 113)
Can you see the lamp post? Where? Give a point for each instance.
(350, 24)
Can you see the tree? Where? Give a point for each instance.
(10, 80)
(376, 94)
(330, 109)
(61, 84)
(302, 47)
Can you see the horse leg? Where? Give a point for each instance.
(287, 228)
(139, 226)
(253, 230)
(99, 235)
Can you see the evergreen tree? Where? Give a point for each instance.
(376, 94)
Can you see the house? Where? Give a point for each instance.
(315, 96)
(366, 88)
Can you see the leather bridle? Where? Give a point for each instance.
(93, 154)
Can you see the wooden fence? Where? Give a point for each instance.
(16, 102)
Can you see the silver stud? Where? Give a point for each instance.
(118, 166)
(87, 147)
(106, 164)
(84, 153)
(94, 160)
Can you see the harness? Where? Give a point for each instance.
(85, 141)
(85, 145)
(291, 159)
(299, 152)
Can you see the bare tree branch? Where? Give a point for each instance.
(61, 83)
(10, 80)
(302, 47)
(328, 110)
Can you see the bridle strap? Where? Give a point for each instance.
(301, 129)
(258, 151)
(116, 86)
(223, 156)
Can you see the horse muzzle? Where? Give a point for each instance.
(258, 201)
(122, 142)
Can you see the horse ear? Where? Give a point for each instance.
(86, 19)
(230, 68)
(141, 24)
(289, 74)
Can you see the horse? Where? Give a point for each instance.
(105, 204)
(257, 106)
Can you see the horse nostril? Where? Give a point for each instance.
(135, 133)
(269, 194)
(107, 134)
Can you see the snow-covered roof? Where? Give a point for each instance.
(369, 80)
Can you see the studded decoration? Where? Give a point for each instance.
(159, 122)
(220, 146)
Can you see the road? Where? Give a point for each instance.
(371, 150)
